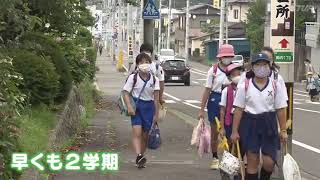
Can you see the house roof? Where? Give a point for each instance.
(200, 5)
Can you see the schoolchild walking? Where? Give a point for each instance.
(227, 98)
(311, 86)
(156, 69)
(211, 96)
(144, 88)
(226, 106)
(259, 103)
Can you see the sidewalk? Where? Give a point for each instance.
(109, 131)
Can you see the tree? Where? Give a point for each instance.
(255, 25)
(304, 13)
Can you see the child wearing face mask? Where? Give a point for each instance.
(227, 97)
(226, 106)
(144, 88)
(211, 96)
(259, 103)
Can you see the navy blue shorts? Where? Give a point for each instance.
(144, 114)
(260, 132)
(213, 106)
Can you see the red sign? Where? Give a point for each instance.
(284, 43)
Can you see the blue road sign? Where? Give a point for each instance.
(150, 11)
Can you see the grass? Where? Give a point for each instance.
(88, 93)
(36, 124)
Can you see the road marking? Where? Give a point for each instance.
(301, 91)
(194, 106)
(177, 99)
(316, 150)
(201, 79)
(307, 110)
(193, 101)
(296, 102)
(169, 101)
(195, 82)
(198, 73)
(300, 94)
(199, 70)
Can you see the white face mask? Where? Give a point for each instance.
(236, 79)
(145, 68)
(227, 60)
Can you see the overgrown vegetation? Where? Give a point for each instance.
(45, 49)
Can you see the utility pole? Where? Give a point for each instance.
(226, 20)
(148, 28)
(187, 31)
(130, 35)
(141, 33)
(113, 31)
(169, 26)
(160, 26)
(222, 19)
(120, 40)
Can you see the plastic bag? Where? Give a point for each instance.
(290, 168)
(162, 113)
(204, 140)
(196, 134)
(154, 141)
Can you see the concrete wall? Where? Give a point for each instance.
(315, 54)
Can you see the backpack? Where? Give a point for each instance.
(274, 85)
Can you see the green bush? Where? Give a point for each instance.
(84, 37)
(196, 52)
(44, 45)
(41, 82)
(11, 102)
(91, 56)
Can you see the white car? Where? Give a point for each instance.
(238, 59)
(166, 54)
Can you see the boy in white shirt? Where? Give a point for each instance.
(260, 101)
(144, 89)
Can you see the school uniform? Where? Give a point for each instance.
(215, 83)
(258, 127)
(227, 123)
(312, 87)
(145, 108)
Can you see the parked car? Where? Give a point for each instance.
(238, 59)
(166, 54)
(176, 71)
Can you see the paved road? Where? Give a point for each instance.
(306, 148)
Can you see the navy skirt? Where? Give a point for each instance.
(260, 131)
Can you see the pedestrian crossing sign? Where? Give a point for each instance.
(150, 11)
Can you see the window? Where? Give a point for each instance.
(203, 24)
(236, 14)
(230, 7)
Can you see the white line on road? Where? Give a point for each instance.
(201, 79)
(306, 146)
(300, 94)
(195, 82)
(199, 70)
(169, 101)
(193, 101)
(301, 91)
(307, 110)
(198, 73)
(296, 102)
(177, 99)
(294, 141)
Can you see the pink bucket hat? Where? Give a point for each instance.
(225, 50)
(231, 67)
